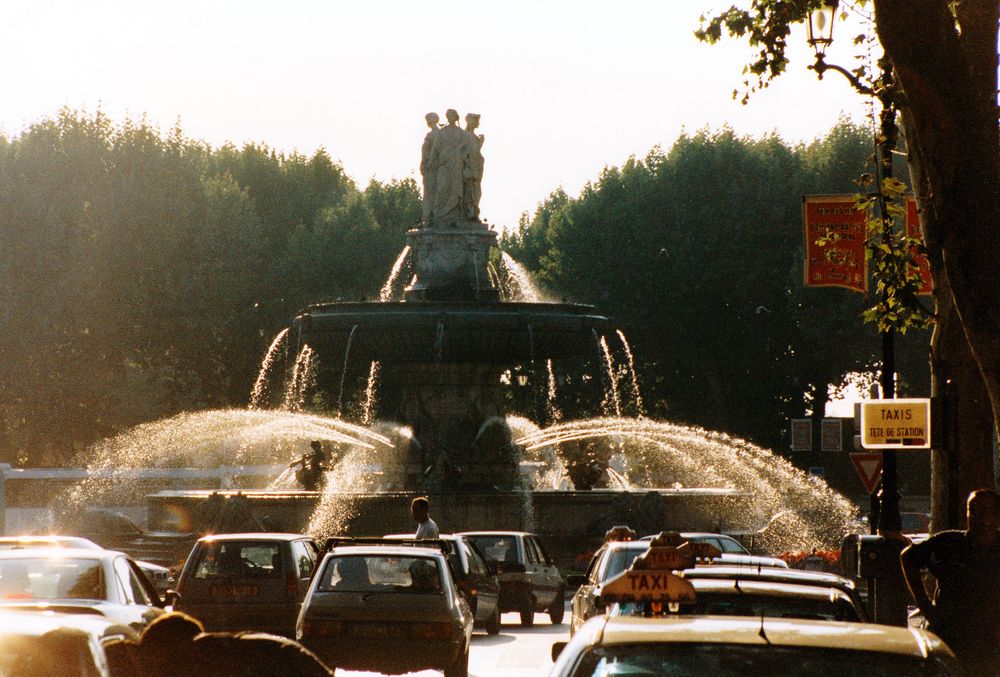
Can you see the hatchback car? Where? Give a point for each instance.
(695, 646)
(98, 582)
(529, 581)
(475, 577)
(251, 581)
(390, 608)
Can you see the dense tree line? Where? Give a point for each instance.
(697, 253)
(145, 273)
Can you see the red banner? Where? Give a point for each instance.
(841, 261)
(913, 230)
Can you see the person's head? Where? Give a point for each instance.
(432, 120)
(452, 115)
(168, 634)
(421, 508)
(471, 121)
(983, 511)
(352, 571)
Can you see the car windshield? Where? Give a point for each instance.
(619, 561)
(725, 660)
(497, 548)
(373, 573)
(228, 559)
(50, 578)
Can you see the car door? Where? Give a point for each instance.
(485, 582)
(304, 554)
(583, 600)
(137, 600)
(544, 576)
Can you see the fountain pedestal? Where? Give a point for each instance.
(452, 264)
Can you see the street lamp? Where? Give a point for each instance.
(821, 22)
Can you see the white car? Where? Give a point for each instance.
(159, 576)
(70, 580)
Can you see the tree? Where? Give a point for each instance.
(944, 60)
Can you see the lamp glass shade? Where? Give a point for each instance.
(821, 26)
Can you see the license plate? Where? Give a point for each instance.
(377, 630)
(235, 591)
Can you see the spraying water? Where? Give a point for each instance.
(527, 290)
(630, 362)
(259, 391)
(612, 400)
(368, 408)
(386, 293)
(302, 381)
(551, 400)
(343, 373)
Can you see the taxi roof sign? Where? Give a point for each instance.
(896, 424)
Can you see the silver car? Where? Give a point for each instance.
(367, 598)
(100, 582)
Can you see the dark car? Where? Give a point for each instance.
(475, 578)
(529, 581)
(252, 581)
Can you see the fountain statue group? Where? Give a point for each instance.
(451, 165)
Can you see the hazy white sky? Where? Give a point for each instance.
(564, 87)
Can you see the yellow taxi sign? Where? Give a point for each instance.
(896, 424)
(649, 584)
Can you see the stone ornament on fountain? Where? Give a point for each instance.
(451, 166)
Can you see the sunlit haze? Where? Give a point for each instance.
(564, 87)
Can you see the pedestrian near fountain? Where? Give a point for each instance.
(426, 527)
(966, 565)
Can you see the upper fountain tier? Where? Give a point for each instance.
(452, 333)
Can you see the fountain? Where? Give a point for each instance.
(438, 368)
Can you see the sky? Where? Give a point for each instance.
(564, 87)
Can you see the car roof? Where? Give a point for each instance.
(768, 573)
(40, 622)
(768, 588)
(55, 540)
(776, 631)
(386, 550)
(495, 533)
(254, 536)
(60, 553)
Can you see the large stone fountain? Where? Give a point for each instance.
(443, 362)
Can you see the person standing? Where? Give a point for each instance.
(966, 564)
(426, 527)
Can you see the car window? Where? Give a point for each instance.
(304, 558)
(543, 557)
(726, 660)
(134, 591)
(619, 561)
(476, 563)
(497, 548)
(46, 578)
(226, 559)
(372, 573)
(531, 551)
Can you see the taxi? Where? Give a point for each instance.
(368, 596)
(661, 642)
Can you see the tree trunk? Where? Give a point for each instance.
(950, 81)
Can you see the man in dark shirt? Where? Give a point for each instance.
(965, 612)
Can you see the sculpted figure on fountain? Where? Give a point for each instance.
(451, 166)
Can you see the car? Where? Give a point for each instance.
(725, 544)
(529, 581)
(160, 576)
(797, 576)
(727, 646)
(475, 577)
(57, 644)
(387, 607)
(248, 581)
(614, 557)
(99, 582)
(741, 597)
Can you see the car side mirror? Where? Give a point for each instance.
(171, 598)
(576, 580)
(557, 648)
